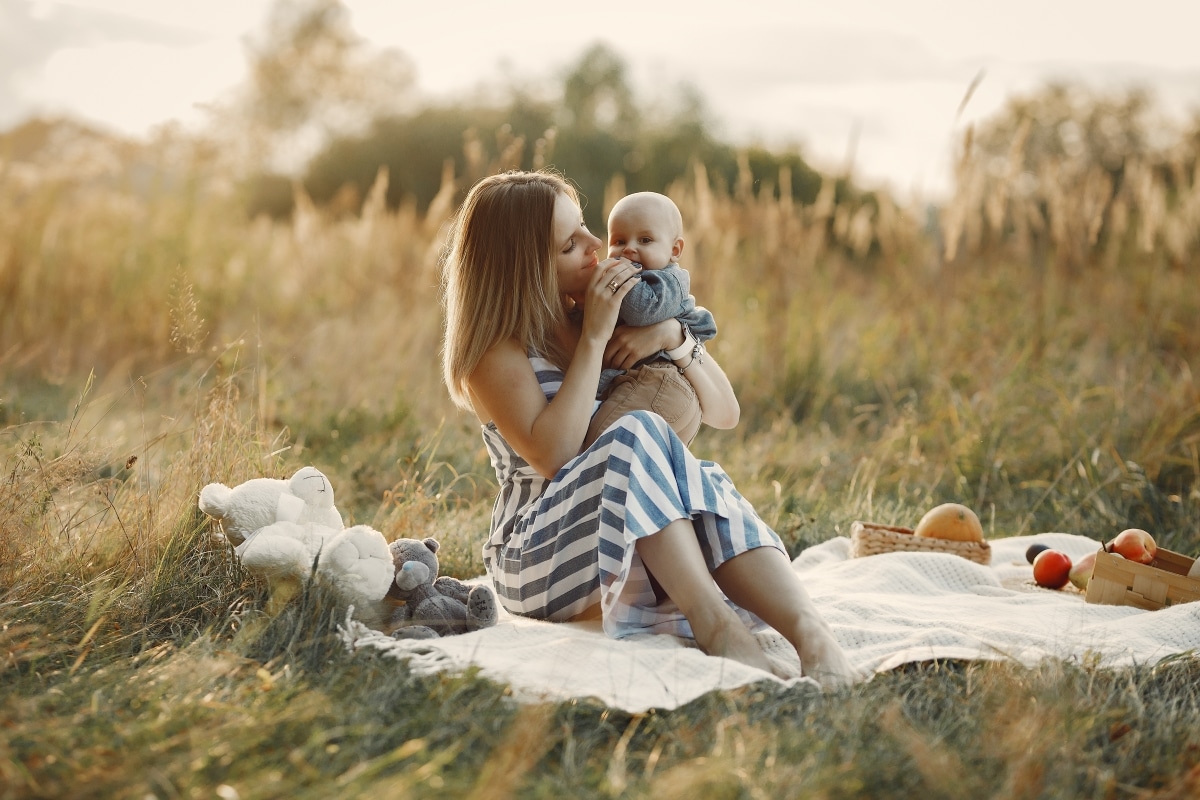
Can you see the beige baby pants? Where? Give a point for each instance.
(657, 386)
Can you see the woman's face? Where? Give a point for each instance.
(575, 248)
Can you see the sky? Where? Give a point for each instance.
(883, 80)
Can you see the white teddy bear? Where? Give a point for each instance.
(281, 528)
(259, 502)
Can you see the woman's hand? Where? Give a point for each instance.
(612, 279)
(629, 345)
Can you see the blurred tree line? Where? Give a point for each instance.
(1066, 174)
(1085, 177)
(590, 127)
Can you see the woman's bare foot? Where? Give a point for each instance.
(823, 660)
(724, 635)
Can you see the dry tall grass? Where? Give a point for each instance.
(1034, 363)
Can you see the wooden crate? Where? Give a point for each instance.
(1163, 582)
(870, 538)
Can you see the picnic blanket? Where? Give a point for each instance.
(886, 610)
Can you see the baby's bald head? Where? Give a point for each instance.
(647, 228)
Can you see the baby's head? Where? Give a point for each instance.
(646, 228)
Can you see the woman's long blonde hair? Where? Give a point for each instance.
(498, 276)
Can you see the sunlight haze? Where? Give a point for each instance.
(884, 80)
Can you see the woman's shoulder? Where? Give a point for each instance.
(504, 364)
(511, 353)
(504, 358)
(512, 382)
(510, 346)
(506, 367)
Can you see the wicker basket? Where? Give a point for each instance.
(1163, 582)
(869, 539)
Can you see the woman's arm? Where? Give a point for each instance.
(505, 389)
(718, 403)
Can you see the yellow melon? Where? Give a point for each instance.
(950, 521)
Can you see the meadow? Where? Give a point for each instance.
(1028, 350)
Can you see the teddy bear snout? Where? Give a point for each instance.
(411, 575)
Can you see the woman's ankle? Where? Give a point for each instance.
(725, 635)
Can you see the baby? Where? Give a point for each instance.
(647, 228)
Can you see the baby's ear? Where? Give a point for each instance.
(677, 248)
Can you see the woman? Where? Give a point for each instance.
(530, 318)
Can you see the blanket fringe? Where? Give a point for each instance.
(421, 658)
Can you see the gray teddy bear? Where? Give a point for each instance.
(434, 606)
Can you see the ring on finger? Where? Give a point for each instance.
(614, 285)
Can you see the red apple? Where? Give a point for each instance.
(1052, 569)
(1134, 544)
(1081, 571)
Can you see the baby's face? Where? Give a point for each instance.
(643, 234)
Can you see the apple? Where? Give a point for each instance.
(1051, 569)
(1134, 544)
(1081, 571)
(1033, 550)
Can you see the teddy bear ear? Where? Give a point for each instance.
(432, 544)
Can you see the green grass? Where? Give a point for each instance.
(312, 720)
(136, 658)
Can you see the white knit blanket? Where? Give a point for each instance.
(886, 610)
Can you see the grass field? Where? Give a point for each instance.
(153, 340)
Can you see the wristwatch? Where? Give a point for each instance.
(689, 343)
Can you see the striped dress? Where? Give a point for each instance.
(558, 547)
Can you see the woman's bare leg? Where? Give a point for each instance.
(762, 582)
(673, 555)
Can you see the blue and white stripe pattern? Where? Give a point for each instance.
(559, 546)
